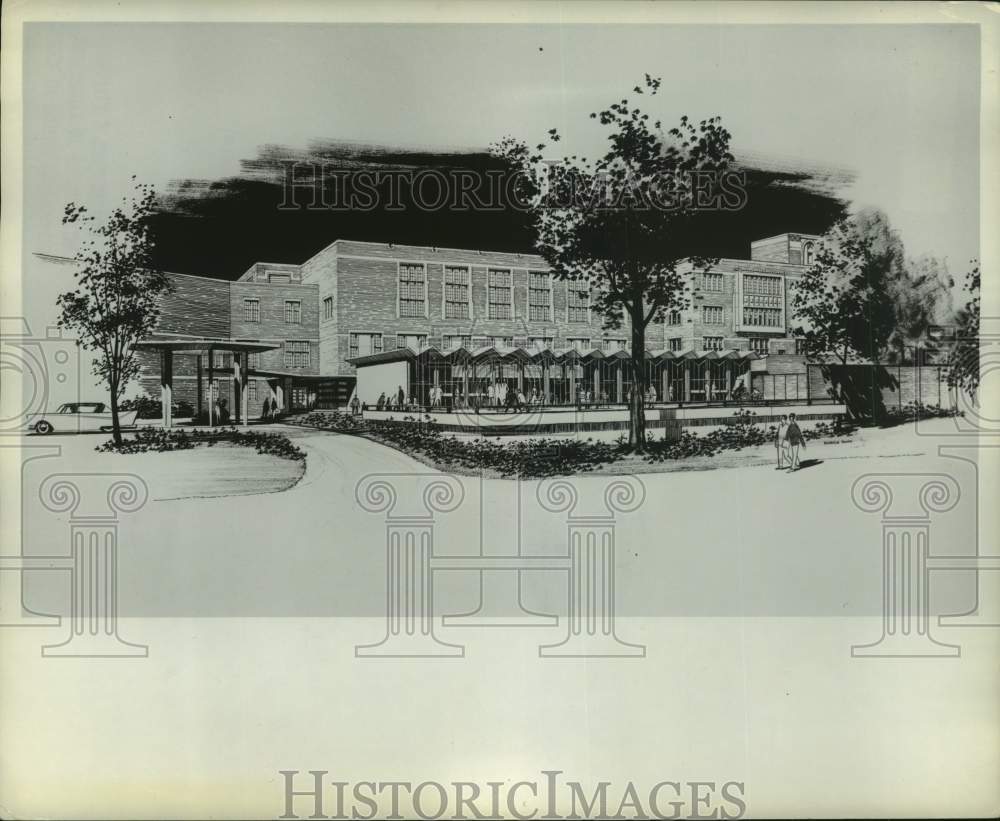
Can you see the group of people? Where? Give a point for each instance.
(394, 401)
(788, 439)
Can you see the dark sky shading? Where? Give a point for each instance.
(219, 228)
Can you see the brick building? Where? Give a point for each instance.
(295, 333)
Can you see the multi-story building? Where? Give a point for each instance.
(302, 327)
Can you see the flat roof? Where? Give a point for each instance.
(203, 343)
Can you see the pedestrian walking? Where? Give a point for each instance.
(795, 440)
(781, 441)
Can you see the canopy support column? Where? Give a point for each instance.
(244, 366)
(167, 386)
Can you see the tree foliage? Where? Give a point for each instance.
(115, 301)
(842, 304)
(963, 362)
(618, 226)
(922, 300)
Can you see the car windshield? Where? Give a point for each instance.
(87, 407)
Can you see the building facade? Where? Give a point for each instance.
(353, 300)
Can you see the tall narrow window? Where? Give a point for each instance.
(251, 310)
(579, 304)
(499, 284)
(674, 343)
(712, 315)
(539, 297)
(328, 307)
(293, 312)
(364, 344)
(712, 343)
(253, 361)
(453, 341)
(456, 292)
(758, 344)
(252, 390)
(297, 354)
(711, 282)
(579, 344)
(412, 289)
(674, 318)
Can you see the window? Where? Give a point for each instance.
(456, 292)
(674, 343)
(539, 297)
(580, 344)
(252, 390)
(297, 354)
(800, 347)
(293, 312)
(712, 343)
(674, 318)
(413, 341)
(809, 253)
(364, 344)
(222, 360)
(711, 282)
(412, 289)
(501, 341)
(578, 309)
(762, 317)
(499, 282)
(251, 310)
(253, 361)
(712, 315)
(758, 344)
(612, 345)
(540, 342)
(328, 307)
(762, 285)
(455, 341)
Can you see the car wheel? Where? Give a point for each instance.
(44, 427)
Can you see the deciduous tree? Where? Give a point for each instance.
(619, 226)
(115, 301)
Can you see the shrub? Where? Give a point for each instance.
(158, 440)
(536, 458)
(149, 408)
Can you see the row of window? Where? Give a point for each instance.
(457, 298)
(765, 285)
(295, 354)
(362, 344)
(758, 344)
(293, 311)
(709, 343)
(762, 317)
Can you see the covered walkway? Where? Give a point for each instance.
(483, 377)
(201, 346)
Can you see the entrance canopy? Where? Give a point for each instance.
(204, 343)
(167, 346)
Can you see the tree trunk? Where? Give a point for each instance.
(116, 426)
(636, 405)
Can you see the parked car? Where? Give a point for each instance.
(81, 417)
